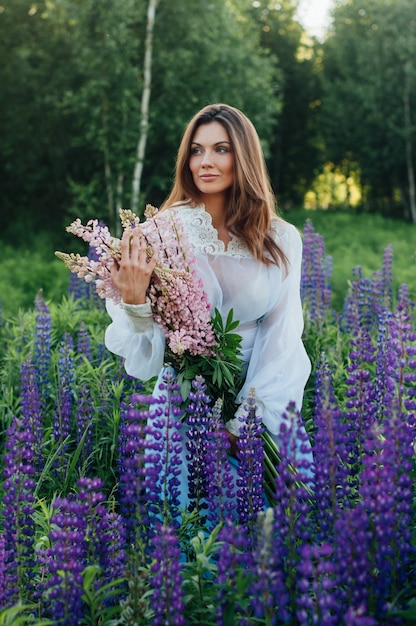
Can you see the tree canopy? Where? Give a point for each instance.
(72, 82)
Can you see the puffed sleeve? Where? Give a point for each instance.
(140, 341)
(279, 366)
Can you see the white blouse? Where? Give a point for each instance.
(265, 299)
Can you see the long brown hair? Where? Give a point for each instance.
(252, 203)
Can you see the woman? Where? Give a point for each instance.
(248, 258)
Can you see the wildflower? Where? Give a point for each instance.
(18, 500)
(135, 484)
(31, 409)
(64, 402)
(317, 602)
(166, 579)
(84, 342)
(316, 273)
(164, 447)
(250, 494)
(291, 499)
(220, 484)
(43, 341)
(267, 591)
(330, 451)
(198, 418)
(84, 423)
(65, 561)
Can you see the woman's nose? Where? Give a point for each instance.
(206, 159)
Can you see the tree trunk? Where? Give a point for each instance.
(144, 113)
(408, 141)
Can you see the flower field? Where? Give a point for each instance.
(84, 539)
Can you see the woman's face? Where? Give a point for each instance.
(212, 159)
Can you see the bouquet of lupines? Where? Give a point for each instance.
(196, 343)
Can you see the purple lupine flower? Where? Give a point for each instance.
(219, 477)
(330, 451)
(315, 286)
(166, 579)
(317, 600)
(84, 342)
(292, 498)
(64, 401)
(105, 539)
(3, 594)
(386, 287)
(360, 405)
(386, 367)
(352, 550)
(43, 342)
(65, 561)
(250, 492)
(84, 423)
(386, 492)
(18, 499)
(198, 420)
(233, 572)
(356, 616)
(136, 484)
(267, 591)
(164, 447)
(403, 342)
(31, 409)
(368, 297)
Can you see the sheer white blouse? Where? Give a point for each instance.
(265, 299)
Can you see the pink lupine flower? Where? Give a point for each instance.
(179, 303)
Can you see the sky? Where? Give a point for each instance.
(314, 16)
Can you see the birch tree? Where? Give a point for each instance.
(144, 110)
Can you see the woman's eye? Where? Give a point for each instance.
(222, 149)
(195, 150)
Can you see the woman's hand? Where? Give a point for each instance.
(131, 275)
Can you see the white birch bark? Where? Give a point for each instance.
(144, 112)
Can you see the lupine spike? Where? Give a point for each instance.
(19, 528)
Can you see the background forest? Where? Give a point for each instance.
(337, 117)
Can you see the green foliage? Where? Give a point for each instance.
(222, 370)
(369, 78)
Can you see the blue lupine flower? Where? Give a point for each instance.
(84, 341)
(331, 486)
(250, 492)
(84, 423)
(315, 286)
(267, 590)
(43, 342)
(31, 409)
(233, 571)
(166, 579)
(317, 601)
(220, 482)
(65, 561)
(64, 401)
(198, 421)
(18, 500)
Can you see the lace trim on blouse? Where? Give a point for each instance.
(202, 235)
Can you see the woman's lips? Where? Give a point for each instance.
(208, 177)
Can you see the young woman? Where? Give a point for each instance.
(249, 260)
